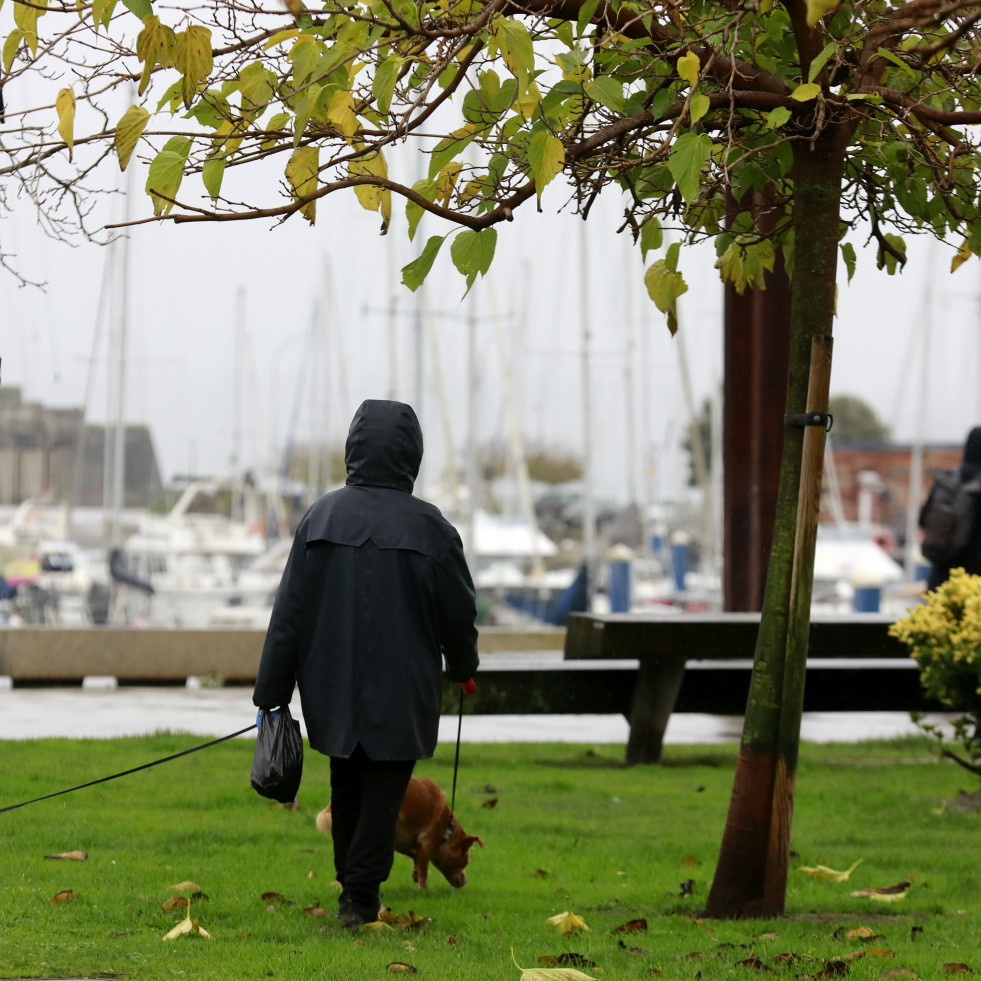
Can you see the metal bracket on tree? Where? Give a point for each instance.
(825, 419)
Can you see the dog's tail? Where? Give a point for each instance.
(324, 821)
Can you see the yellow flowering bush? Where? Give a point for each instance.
(944, 636)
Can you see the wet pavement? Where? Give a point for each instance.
(99, 709)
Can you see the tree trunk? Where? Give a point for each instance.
(750, 878)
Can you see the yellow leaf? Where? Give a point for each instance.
(65, 106)
(550, 973)
(186, 886)
(688, 67)
(187, 925)
(963, 254)
(341, 113)
(193, 59)
(565, 922)
(76, 856)
(376, 926)
(370, 195)
(805, 93)
(816, 9)
(301, 172)
(823, 872)
(128, 131)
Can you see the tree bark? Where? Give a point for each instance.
(750, 878)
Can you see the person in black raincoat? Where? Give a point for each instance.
(375, 593)
(970, 559)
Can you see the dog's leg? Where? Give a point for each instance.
(420, 870)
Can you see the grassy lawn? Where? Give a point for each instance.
(571, 829)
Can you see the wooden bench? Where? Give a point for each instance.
(687, 661)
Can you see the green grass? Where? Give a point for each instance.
(572, 830)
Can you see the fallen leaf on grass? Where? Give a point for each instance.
(567, 922)
(275, 897)
(832, 875)
(633, 926)
(541, 873)
(375, 927)
(65, 896)
(185, 886)
(753, 962)
(491, 802)
(550, 973)
(403, 921)
(870, 952)
(857, 933)
(899, 972)
(887, 894)
(687, 887)
(630, 950)
(187, 926)
(315, 911)
(956, 967)
(400, 967)
(175, 902)
(568, 959)
(76, 856)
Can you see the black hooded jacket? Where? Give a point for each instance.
(970, 561)
(376, 591)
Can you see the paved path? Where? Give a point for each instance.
(100, 710)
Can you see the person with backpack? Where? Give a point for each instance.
(950, 518)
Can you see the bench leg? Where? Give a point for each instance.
(655, 694)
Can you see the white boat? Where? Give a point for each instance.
(195, 559)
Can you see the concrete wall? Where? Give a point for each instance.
(53, 655)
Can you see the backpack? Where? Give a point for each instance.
(948, 517)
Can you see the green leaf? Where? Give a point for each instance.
(688, 67)
(301, 172)
(415, 273)
(586, 13)
(516, 48)
(257, 84)
(745, 266)
(888, 261)
(10, 46)
(193, 59)
(607, 91)
(651, 235)
(167, 172)
(472, 253)
(279, 121)
(212, 173)
(805, 93)
(546, 157)
(820, 61)
(848, 256)
(383, 85)
(816, 9)
(414, 212)
(698, 107)
(688, 155)
(775, 118)
(102, 12)
(896, 60)
(128, 131)
(664, 286)
(142, 8)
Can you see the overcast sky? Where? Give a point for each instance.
(189, 337)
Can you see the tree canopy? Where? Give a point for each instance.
(685, 108)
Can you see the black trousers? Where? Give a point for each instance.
(365, 797)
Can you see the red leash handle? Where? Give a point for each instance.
(468, 687)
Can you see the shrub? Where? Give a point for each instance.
(944, 636)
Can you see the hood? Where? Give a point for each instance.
(384, 445)
(972, 454)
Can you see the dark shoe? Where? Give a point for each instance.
(355, 910)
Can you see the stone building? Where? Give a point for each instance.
(46, 451)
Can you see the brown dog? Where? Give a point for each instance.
(427, 832)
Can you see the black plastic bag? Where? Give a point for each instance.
(277, 764)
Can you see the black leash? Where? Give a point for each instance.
(456, 767)
(166, 759)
